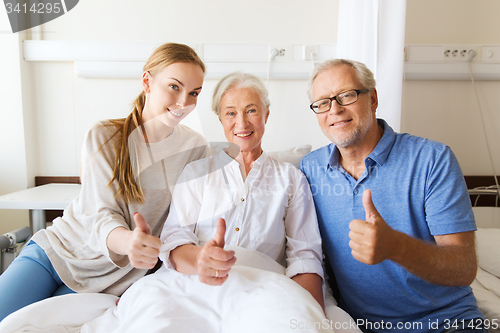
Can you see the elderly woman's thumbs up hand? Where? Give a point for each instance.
(213, 262)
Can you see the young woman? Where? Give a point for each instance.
(108, 237)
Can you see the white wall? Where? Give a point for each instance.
(448, 111)
(452, 22)
(58, 107)
(237, 21)
(13, 151)
(67, 105)
(63, 106)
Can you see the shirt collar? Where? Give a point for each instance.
(384, 146)
(260, 161)
(225, 158)
(379, 154)
(256, 164)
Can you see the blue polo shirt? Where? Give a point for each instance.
(418, 188)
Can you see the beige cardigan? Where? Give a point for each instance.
(76, 243)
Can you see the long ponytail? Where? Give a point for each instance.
(129, 188)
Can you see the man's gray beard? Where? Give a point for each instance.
(359, 132)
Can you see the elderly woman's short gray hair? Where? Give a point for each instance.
(364, 74)
(238, 80)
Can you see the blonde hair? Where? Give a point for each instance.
(163, 56)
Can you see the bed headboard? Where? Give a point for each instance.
(479, 194)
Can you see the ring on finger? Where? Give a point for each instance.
(216, 273)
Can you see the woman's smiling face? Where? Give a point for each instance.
(172, 92)
(243, 116)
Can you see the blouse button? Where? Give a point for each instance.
(237, 229)
(242, 199)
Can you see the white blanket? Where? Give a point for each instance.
(257, 297)
(486, 288)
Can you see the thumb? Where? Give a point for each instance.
(371, 213)
(141, 223)
(220, 233)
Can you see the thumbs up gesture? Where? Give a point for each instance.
(143, 248)
(372, 241)
(213, 262)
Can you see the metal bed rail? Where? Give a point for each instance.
(492, 190)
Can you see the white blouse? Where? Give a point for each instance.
(272, 211)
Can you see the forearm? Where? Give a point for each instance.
(184, 258)
(118, 240)
(313, 283)
(443, 264)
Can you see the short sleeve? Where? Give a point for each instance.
(447, 204)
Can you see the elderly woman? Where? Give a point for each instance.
(266, 204)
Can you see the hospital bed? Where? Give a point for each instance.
(486, 286)
(10, 245)
(98, 312)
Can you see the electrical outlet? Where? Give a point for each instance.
(491, 53)
(310, 52)
(284, 52)
(460, 53)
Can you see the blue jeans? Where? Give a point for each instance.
(28, 279)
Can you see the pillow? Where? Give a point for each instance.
(292, 155)
(488, 250)
(487, 217)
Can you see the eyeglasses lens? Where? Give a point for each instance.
(322, 105)
(345, 98)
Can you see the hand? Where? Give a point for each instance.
(143, 249)
(372, 241)
(213, 262)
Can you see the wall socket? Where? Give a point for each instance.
(310, 52)
(460, 53)
(491, 53)
(284, 52)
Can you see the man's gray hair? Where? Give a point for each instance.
(364, 74)
(239, 80)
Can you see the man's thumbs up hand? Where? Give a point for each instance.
(371, 213)
(371, 240)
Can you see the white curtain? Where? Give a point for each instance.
(373, 32)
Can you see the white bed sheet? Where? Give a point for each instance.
(486, 286)
(487, 217)
(172, 302)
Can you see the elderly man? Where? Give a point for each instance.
(394, 213)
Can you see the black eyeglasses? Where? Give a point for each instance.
(344, 98)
